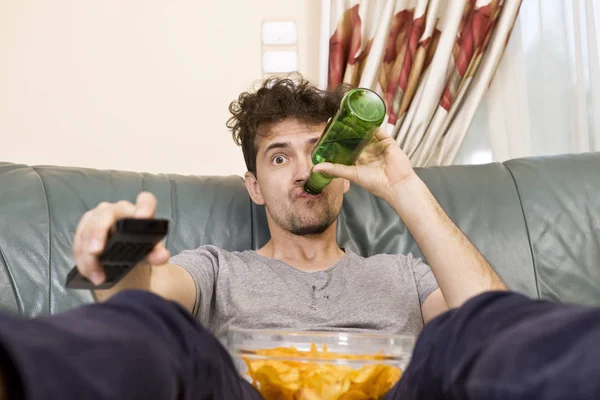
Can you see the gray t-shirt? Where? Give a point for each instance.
(381, 293)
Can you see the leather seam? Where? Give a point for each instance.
(173, 196)
(49, 240)
(12, 284)
(535, 275)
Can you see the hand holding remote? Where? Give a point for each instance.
(93, 232)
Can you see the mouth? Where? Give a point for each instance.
(303, 195)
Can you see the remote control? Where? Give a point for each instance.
(129, 241)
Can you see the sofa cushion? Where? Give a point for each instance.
(560, 197)
(24, 242)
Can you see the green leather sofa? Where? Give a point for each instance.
(536, 220)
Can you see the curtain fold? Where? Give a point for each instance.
(545, 96)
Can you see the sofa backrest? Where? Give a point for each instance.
(41, 206)
(560, 198)
(536, 220)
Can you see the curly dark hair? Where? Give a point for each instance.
(276, 100)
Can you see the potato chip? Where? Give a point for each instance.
(354, 394)
(385, 381)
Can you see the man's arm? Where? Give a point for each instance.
(169, 281)
(166, 280)
(434, 305)
(459, 268)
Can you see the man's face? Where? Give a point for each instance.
(283, 164)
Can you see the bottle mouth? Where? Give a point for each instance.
(366, 104)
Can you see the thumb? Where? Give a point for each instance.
(145, 205)
(338, 170)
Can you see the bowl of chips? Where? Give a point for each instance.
(298, 365)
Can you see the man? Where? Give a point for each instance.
(301, 279)
(277, 128)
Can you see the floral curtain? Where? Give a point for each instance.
(430, 60)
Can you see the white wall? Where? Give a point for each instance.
(139, 85)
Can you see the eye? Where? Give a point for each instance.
(278, 160)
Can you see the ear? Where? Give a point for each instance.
(253, 188)
(346, 185)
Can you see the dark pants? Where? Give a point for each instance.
(138, 346)
(503, 345)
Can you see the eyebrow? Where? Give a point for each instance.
(277, 145)
(284, 145)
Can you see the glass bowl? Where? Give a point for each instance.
(319, 365)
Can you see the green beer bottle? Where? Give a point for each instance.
(346, 134)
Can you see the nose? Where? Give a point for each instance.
(303, 167)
